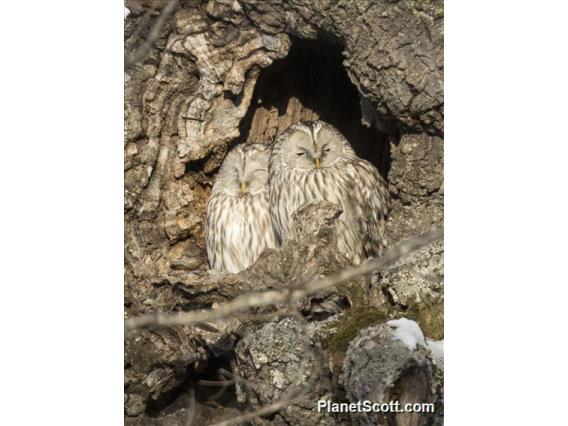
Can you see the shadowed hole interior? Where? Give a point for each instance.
(311, 83)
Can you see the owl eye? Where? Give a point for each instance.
(327, 149)
(299, 154)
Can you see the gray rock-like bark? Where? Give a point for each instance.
(381, 369)
(415, 284)
(279, 358)
(393, 50)
(157, 362)
(191, 97)
(416, 181)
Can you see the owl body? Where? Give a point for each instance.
(238, 225)
(313, 162)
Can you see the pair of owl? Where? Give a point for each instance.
(258, 189)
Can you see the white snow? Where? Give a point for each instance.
(408, 332)
(126, 12)
(437, 351)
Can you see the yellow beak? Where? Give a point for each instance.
(244, 187)
(317, 161)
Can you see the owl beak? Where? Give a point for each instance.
(244, 187)
(317, 163)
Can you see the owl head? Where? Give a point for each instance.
(244, 171)
(312, 145)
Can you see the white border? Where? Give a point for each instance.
(506, 72)
(61, 213)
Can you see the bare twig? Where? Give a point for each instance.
(269, 409)
(142, 51)
(191, 407)
(403, 249)
(236, 378)
(273, 297)
(216, 383)
(250, 300)
(222, 389)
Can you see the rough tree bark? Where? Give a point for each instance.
(220, 72)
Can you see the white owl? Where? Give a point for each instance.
(312, 161)
(238, 226)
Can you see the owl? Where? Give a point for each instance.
(237, 224)
(312, 161)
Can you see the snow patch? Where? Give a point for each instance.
(126, 12)
(437, 351)
(408, 332)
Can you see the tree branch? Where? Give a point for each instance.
(142, 51)
(273, 297)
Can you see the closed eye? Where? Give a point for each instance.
(299, 154)
(326, 148)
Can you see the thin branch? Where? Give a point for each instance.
(250, 300)
(142, 51)
(403, 249)
(273, 297)
(191, 408)
(216, 383)
(269, 409)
